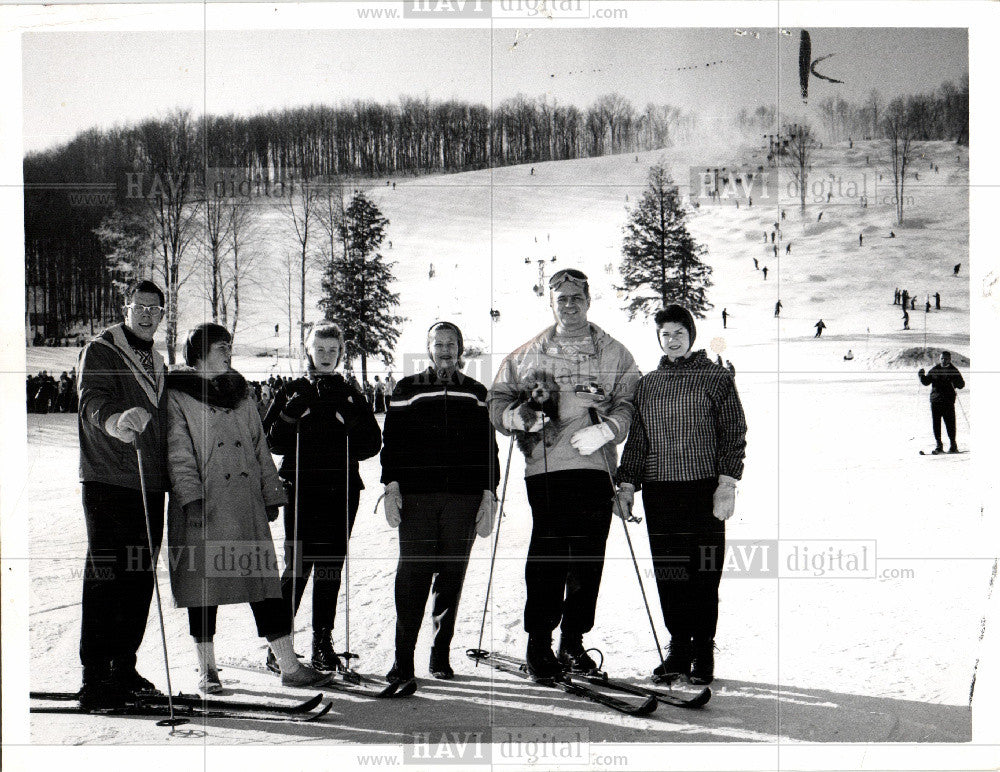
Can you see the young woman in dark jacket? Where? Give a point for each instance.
(334, 428)
(685, 450)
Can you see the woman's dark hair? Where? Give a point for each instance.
(201, 339)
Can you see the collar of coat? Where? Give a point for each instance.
(224, 391)
(693, 361)
(114, 338)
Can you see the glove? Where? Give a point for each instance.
(625, 498)
(195, 513)
(486, 515)
(592, 438)
(126, 425)
(303, 397)
(393, 504)
(724, 500)
(272, 513)
(921, 372)
(513, 420)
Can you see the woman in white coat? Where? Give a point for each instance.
(224, 490)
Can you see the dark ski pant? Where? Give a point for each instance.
(269, 614)
(945, 410)
(571, 513)
(118, 577)
(687, 543)
(326, 518)
(436, 533)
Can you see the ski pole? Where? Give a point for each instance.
(496, 542)
(173, 720)
(296, 556)
(595, 418)
(959, 401)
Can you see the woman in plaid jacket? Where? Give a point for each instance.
(685, 451)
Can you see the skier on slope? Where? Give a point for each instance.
(567, 470)
(820, 326)
(943, 379)
(332, 424)
(441, 468)
(777, 309)
(224, 491)
(687, 463)
(122, 401)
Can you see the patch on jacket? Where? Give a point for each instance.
(226, 391)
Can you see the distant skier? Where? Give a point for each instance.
(777, 309)
(725, 315)
(764, 270)
(913, 303)
(927, 307)
(937, 301)
(756, 264)
(532, 170)
(772, 236)
(718, 360)
(782, 214)
(861, 239)
(820, 326)
(848, 356)
(775, 248)
(892, 234)
(820, 217)
(957, 267)
(895, 297)
(788, 248)
(943, 379)
(906, 319)
(906, 298)
(430, 271)
(765, 237)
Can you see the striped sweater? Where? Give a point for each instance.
(437, 436)
(689, 424)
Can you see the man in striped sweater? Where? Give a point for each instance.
(567, 468)
(440, 467)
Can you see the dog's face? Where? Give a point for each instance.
(539, 392)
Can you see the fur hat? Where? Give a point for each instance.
(201, 339)
(677, 315)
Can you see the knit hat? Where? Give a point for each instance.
(677, 315)
(201, 339)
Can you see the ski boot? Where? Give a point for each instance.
(574, 657)
(702, 661)
(323, 656)
(134, 684)
(401, 673)
(677, 662)
(210, 683)
(305, 676)
(954, 448)
(542, 663)
(938, 450)
(102, 694)
(440, 666)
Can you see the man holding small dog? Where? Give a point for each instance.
(566, 371)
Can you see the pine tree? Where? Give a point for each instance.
(356, 286)
(662, 263)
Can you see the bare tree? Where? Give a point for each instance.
(800, 149)
(898, 127)
(242, 260)
(300, 207)
(169, 156)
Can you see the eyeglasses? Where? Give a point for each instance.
(570, 275)
(145, 310)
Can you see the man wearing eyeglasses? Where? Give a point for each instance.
(122, 407)
(566, 467)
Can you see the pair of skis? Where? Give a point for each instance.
(592, 686)
(347, 681)
(191, 707)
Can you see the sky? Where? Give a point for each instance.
(76, 80)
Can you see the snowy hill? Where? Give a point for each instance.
(832, 455)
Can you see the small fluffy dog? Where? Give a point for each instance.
(539, 392)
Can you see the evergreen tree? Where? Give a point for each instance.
(662, 263)
(356, 286)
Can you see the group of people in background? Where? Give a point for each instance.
(45, 394)
(566, 398)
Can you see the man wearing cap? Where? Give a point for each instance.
(440, 467)
(567, 466)
(122, 408)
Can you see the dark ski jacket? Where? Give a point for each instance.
(943, 381)
(340, 421)
(112, 380)
(438, 437)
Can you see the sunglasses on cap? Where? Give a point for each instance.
(570, 275)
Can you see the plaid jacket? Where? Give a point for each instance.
(689, 424)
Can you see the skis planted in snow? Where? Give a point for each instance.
(517, 667)
(697, 701)
(196, 701)
(184, 708)
(349, 682)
